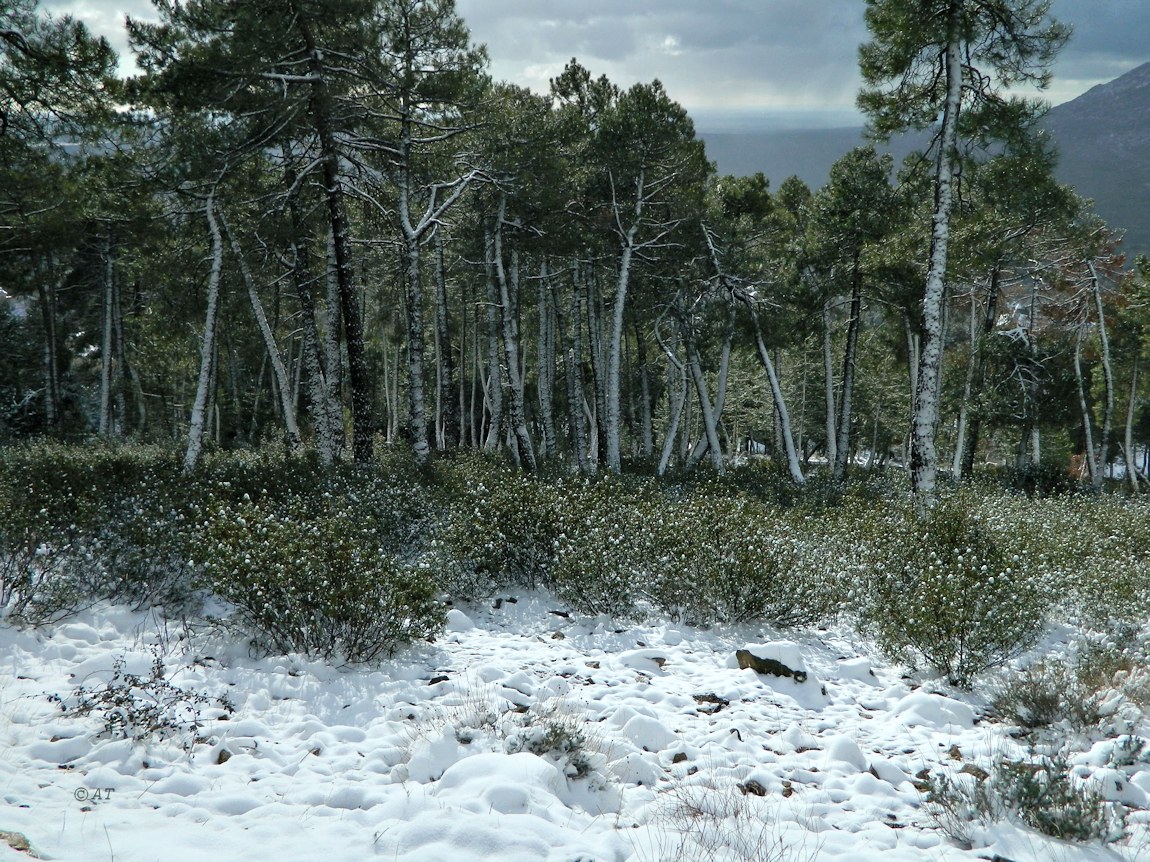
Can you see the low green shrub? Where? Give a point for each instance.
(1045, 694)
(499, 536)
(945, 591)
(730, 559)
(1040, 792)
(321, 583)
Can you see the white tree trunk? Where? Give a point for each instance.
(207, 344)
(793, 464)
(493, 391)
(1108, 378)
(924, 451)
(1128, 454)
(829, 388)
(678, 397)
(272, 349)
(1084, 407)
(843, 442)
(517, 415)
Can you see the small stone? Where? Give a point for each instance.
(17, 842)
(680, 757)
(223, 757)
(752, 788)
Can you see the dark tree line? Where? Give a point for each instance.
(321, 222)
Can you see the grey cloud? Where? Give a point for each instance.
(718, 53)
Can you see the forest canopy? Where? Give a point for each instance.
(321, 225)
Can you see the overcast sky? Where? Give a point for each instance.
(792, 61)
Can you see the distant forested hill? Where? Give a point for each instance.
(1103, 138)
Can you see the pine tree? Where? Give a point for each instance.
(948, 64)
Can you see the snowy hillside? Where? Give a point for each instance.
(525, 734)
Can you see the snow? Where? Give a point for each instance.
(519, 735)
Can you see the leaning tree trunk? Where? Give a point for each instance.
(784, 418)
(924, 450)
(270, 347)
(710, 426)
(677, 396)
(207, 344)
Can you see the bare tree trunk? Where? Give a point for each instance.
(447, 417)
(494, 388)
(964, 407)
(1108, 377)
(47, 293)
(128, 369)
(207, 344)
(843, 441)
(831, 446)
(1084, 406)
(545, 387)
(517, 416)
(573, 370)
(271, 348)
(677, 396)
(363, 423)
(1128, 454)
(784, 418)
(333, 355)
(615, 346)
(598, 364)
(924, 451)
(710, 427)
(646, 424)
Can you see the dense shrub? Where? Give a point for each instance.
(499, 534)
(945, 591)
(733, 560)
(320, 581)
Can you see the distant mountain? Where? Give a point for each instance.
(1103, 139)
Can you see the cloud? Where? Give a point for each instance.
(765, 54)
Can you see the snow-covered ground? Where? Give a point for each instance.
(522, 735)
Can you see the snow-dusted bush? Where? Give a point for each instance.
(316, 580)
(946, 591)
(1044, 694)
(604, 548)
(1040, 792)
(498, 533)
(733, 560)
(141, 706)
